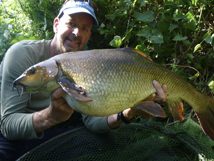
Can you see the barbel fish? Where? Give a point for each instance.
(105, 82)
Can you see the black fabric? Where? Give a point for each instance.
(12, 150)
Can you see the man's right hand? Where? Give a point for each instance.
(58, 111)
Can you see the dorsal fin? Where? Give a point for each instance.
(141, 53)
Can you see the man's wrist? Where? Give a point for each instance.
(120, 116)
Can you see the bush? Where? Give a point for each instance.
(175, 33)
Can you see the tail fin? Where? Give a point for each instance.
(206, 118)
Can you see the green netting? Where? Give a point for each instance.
(137, 141)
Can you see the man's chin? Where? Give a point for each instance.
(73, 49)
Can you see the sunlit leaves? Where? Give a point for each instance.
(198, 46)
(211, 85)
(116, 42)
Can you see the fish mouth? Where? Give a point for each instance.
(17, 84)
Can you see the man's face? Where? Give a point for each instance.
(73, 31)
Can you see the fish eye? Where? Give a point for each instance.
(32, 70)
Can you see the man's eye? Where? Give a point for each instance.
(85, 29)
(32, 70)
(71, 24)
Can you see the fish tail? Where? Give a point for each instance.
(203, 106)
(205, 116)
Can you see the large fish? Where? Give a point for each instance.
(105, 82)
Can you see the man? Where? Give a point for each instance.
(28, 121)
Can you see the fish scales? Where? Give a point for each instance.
(116, 79)
(121, 84)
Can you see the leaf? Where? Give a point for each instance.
(163, 26)
(211, 85)
(6, 34)
(134, 3)
(189, 55)
(212, 40)
(207, 37)
(172, 27)
(197, 47)
(145, 32)
(191, 24)
(179, 16)
(157, 37)
(45, 24)
(179, 38)
(1, 42)
(142, 3)
(128, 34)
(103, 31)
(2, 52)
(143, 49)
(194, 76)
(148, 16)
(187, 42)
(116, 42)
(22, 37)
(188, 61)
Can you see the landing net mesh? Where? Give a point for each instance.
(146, 140)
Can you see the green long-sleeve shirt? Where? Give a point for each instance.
(17, 113)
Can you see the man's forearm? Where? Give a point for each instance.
(41, 122)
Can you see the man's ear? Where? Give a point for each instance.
(55, 26)
(89, 35)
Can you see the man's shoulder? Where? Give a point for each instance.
(32, 43)
(38, 49)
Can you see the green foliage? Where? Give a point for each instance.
(171, 32)
(26, 20)
(176, 32)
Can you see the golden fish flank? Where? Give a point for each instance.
(105, 82)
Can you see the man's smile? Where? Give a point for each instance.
(72, 43)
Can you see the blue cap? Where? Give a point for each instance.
(72, 7)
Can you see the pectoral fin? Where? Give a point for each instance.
(73, 89)
(142, 113)
(151, 108)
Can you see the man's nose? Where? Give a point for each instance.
(76, 31)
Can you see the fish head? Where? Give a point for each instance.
(36, 77)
